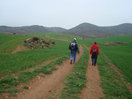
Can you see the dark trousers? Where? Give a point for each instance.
(94, 58)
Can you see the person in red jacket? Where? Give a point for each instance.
(94, 51)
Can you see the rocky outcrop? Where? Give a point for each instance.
(38, 43)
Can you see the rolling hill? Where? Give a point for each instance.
(90, 30)
(56, 29)
(85, 30)
(30, 29)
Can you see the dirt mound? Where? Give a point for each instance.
(38, 43)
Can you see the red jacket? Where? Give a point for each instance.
(94, 45)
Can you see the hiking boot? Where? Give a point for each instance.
(71, 62)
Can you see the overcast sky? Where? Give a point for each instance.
(65, 13)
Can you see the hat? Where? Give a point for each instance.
(75, 39)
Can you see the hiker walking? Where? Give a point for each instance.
(73, 47)
(94, 51)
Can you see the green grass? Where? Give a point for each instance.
(63, 36)
(121, 56)
(127, 38)
(76, 80)
(25, 76)
(7, 82)
(10, 42)
(9, 91)
(25, 87)
(20, 61)
(12, 63)
(113, 86)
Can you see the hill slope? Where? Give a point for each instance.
(84, 30)
(55, 29)
(30, 29)
(90, 30)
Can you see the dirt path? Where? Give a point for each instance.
(19, 48)
(93, 89)
(43, 87)
(55, 38)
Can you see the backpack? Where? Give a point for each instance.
(73, 45)
(94, 49)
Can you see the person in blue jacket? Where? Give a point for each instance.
(73, 47)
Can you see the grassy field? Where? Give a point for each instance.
(17, 63)
(121, 56)
(11, 63)
(113, 86)
(9, 82)
(126, 38)
(64, 36)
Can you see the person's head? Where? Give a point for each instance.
(95, 43)
(74, 39)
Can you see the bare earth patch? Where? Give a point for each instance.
(113, 43)
(44, 87)
(93, 89)
(19, 48)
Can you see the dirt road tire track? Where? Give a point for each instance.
(42, 87)
(93, 89)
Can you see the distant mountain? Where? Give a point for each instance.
(125, 28)
(84, 30)
(90, 30)
(30, 29)
(23, 29)
(56, 29)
